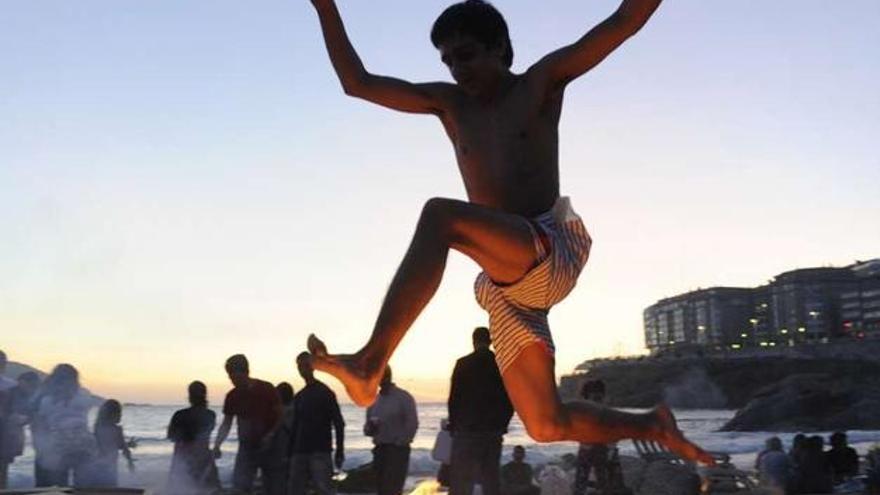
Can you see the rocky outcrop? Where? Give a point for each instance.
(813, 402)
(708, 382)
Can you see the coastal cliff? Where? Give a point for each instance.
(772, 393)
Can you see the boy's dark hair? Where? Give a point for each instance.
(237, 363)
(476, 18)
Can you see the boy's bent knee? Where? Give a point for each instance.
(437, 212)
(546, 431)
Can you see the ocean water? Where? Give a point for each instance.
(153, 455)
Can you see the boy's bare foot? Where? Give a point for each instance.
(361, 385)
(674, 440)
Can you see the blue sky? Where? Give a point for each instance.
(183, 180)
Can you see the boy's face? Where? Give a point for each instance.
(472, 64)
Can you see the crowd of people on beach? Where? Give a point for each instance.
(289, 450)
(66, 449)
(808, 467)
(286, 439)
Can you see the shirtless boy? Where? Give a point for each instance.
(528, 240)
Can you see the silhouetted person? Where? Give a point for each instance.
(517, 477)
(844, 460)
(392, 422)
(284, 434)
(442, 452)
(16, 413)
(592, 457)
(798, 448)
(773, 466)
(64, 445)
(872, 471)
(479, 412)
(255, 406)
(193, 471)
(526, 238)
(286, 396)
(6, 385)
(110, 440)
(814, 474)
(317, 413)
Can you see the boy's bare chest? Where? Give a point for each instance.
(513, 128)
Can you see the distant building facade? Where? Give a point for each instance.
(808, 305)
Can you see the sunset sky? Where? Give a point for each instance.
(183, 180)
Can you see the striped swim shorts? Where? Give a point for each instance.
(518, 312)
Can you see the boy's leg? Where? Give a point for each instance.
(531, 386)
(501, 243)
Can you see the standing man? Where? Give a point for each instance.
(392, 422)
(316, 411)
(479, 412)
(257, 409)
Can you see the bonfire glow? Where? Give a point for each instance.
(429, 487)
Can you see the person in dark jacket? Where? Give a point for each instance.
(844, 460)
(813, 473)
(479, 412)
(316, 420)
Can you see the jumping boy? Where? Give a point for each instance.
(528, 240)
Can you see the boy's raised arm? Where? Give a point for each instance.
(566, 64)
(356, 81)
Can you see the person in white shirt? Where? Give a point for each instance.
(68, 445)
(392, 421)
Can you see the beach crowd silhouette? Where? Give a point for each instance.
(284, 438)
